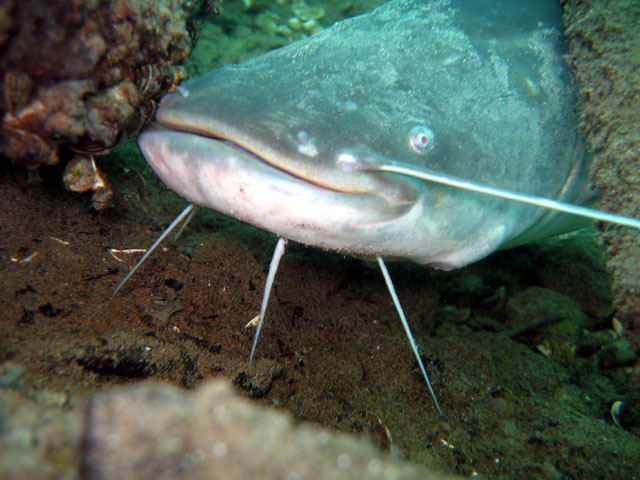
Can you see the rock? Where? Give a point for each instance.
(619, 352)
(37, 440)
(549, 321)
(10, 374)
(604, 55)
(84, 77)
(258, 382)
(154, 431)
(574, 265)
(536, 307)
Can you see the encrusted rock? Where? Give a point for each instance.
(70, 77)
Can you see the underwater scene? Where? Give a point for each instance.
(394, 239)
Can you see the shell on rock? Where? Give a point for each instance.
(16, 90)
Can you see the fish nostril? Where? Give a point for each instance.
(306, 144)
(348, 162)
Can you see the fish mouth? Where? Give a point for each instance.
(219, 174)
(250, 152)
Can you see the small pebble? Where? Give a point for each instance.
(10, 374)
(617, 353)
(52, 398)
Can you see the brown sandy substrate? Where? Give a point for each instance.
(332, 350)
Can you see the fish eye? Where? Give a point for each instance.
(421, 139)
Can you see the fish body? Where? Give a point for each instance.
(472, 89)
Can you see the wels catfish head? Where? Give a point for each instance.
(408, 84)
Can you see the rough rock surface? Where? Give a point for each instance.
(605, 51)
(154, 431)
(83, 74)
(158, 432)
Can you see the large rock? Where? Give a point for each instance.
(159, 432)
